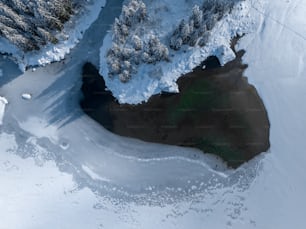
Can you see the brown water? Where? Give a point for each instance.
(216, 111)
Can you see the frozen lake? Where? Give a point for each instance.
(59, 169)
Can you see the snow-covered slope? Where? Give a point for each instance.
(165, 16)
(123, 183)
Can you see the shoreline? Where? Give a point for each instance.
(216, 111)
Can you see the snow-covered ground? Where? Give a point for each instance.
(59, 169)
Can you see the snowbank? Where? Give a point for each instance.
(152, 79)
(68, 38)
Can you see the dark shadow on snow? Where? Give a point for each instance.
(65, 108)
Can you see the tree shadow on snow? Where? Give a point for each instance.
(8, 70)
(67, 88)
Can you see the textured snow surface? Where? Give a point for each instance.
(59, 169)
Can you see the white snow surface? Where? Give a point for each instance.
(68, 38)
(3, 102)
(59, 169)
(165, 16)
(26, 96)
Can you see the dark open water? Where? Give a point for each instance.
(216, 111)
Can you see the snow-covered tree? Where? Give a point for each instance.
(125, 76)
(193, 38)
(211, 21)
(193, 30)
(197, 16)
(136, 58)
(176, 43)
(185, 31)
(137, 42)
(115, 66)
(134, 12)
(146, 58)
(191, 26)
(120, 30)
(156, 50)
(127, 48)
(31, 24)
(127, 65)
(202, 30)
(126, 53)
(204, 39)
(141, 12)
(165, 53)
(127, 15)
(131, 44)
(117, 31)
(114, 50)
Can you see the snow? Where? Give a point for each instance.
(34, 196)
(68, 38)
(152, 79)
(26, 96)
(40, 128)
(3, 103)
(277, 69)
(59, 169)
(92, 174)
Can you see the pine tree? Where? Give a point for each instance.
(146, 57)
(125, 76)
(211, 21)
(202, 30)
(127, 15)
(176, 43)
(204, 39)
(117, 31)
(32, 24)
(193, 38)
(141, 13)
(126, 53)
(156, 50)
(126, 65)
(197, 16)
(115, 66)
(137, 42)
(184, 29)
